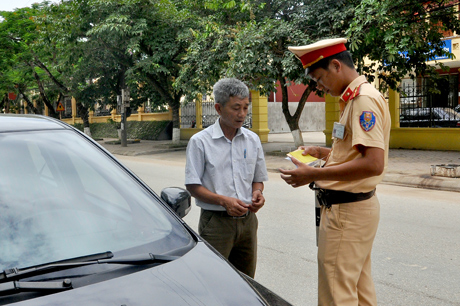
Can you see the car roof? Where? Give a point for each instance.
(16, 123)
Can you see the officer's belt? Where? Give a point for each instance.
(328, 197)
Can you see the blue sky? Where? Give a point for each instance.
(10, 5)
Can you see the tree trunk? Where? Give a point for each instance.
(45, 99)
(84, 114)
(3, 102)
(50, 75)
(173, 102)
(298, 139)
(28, 102)
(175, 106)
(293, 120)
(7, 106)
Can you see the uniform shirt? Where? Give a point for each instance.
(225, 167)
(366, 118)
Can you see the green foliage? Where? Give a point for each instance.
(260, 57)
(146, 130)
(91, 49)
(250, 41)
(383, 30)
(164, 50)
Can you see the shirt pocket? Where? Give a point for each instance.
(341, 147)
(248, 167)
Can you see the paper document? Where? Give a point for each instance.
(306, 159)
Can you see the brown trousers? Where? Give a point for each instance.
(345, 241)
(235, 239)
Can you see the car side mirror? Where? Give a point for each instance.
(179, 199)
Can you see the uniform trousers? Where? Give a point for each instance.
(346, 235)
(234, 238)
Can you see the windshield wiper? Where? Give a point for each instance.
(17, 286)
(141, 259)
(4, 276)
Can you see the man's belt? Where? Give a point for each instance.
(328, 197)
(224, 213)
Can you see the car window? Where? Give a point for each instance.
(61, 197)
(448, 113)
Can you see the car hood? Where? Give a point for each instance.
(200, 277)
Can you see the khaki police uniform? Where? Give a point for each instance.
(350, 210)
(347, 230)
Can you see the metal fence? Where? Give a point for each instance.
(421, 108)
(209, 115)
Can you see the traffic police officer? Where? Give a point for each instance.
(346, 184)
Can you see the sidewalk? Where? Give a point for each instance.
(405, 167)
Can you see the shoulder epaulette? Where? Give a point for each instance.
(350, 94)
(356, 92)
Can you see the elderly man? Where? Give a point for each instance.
(225, 171)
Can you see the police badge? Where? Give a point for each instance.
(367, 121)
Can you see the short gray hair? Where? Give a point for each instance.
(229, 87)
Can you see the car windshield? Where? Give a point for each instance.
(61, 197)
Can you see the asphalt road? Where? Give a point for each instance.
(416, 252)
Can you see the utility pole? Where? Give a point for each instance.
(123, 101)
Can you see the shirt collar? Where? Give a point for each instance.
(349, 91)
(218, 133)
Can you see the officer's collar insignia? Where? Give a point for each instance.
(367, 121)
(351, 94)
(347, 95)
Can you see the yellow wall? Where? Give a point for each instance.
(187, 133)
(260, 116)
(425, 138)
(140, 116)
(404, 138)
(332, 115)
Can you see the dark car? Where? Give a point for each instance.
(79, 228)
(429, 117)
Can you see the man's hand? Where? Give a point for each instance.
(303, 175)
(258, 200)
(235, 207)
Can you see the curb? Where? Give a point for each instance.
(424, 181)
(148, 152)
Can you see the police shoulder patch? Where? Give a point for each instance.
(367, 120)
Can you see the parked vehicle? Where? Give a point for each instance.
(429, 117)
(457, 108)
(79, 228)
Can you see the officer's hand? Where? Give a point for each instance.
(258, 200)
(235, 207)
(312, 150)
(303, 175)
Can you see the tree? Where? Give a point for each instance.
(249, 41)
(92, 49)
(400, 37)
(253, 46)
(19, 62)
(139, 46)
(33, 58)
